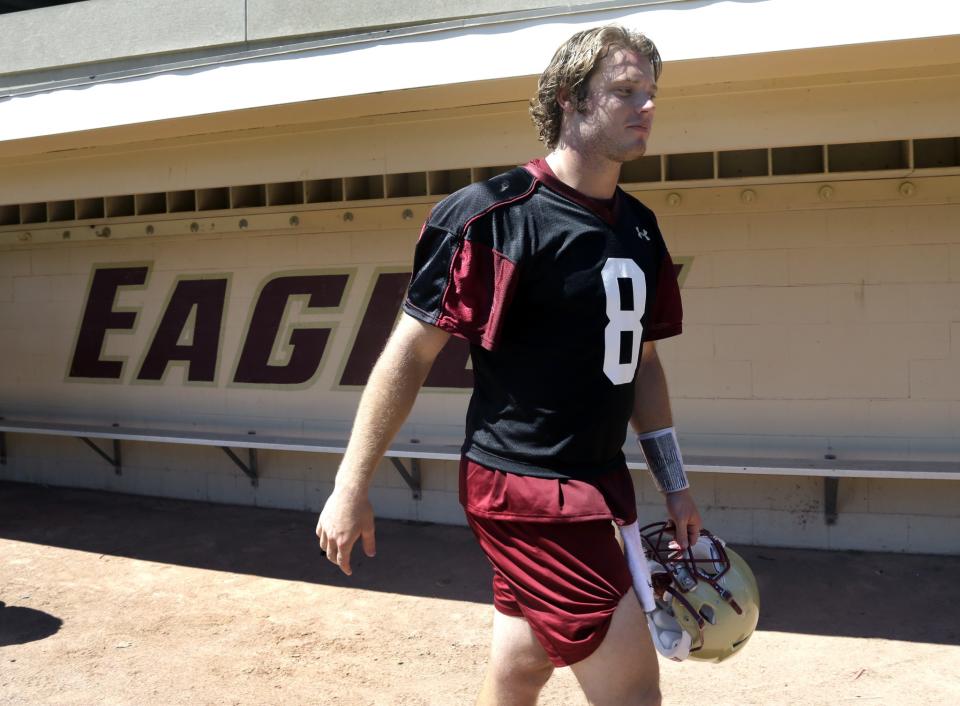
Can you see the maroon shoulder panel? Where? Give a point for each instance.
(481, 283)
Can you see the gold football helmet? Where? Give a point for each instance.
(709, 589)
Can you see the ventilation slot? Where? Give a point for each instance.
(447, 181)
(363, 187)
(9, 215)
(251, 196)
(148, 204)
(939, 152)
(181, 201)
(797, 160)
(216, 199)
(693, 165)
(641, 170)
(285, 193)
(324, 190)
(61, 211)
(118, 206)
(33, 213)
(742, 163)
(89, 208)
(407, 184)
(868, 156)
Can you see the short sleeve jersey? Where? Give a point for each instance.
(555, 292)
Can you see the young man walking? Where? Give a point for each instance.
(562, 284)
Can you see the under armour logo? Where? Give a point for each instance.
(504, 185)
(642, 233)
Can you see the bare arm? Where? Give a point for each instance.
(651, 404)
(651, 411)
(387, 400)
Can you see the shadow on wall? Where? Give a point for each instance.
(19, 625)
(852, 594)
(21, 5)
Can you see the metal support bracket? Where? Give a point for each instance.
(116, 461)
(830, 486)
(250, 467)
(3, 448)
(412, 477)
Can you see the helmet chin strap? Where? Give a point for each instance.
(670, 640)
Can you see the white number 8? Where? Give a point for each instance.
(626, 289)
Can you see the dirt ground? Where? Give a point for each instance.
(113, 599)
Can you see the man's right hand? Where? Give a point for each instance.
(346, 516)
(387, 400)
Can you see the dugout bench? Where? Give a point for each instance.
(830, 468)
(229, 443)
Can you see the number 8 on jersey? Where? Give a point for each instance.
(626, 289)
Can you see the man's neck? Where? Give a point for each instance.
(596, 177)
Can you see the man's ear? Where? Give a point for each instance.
(565, 100)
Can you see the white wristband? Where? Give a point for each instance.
(662, 454)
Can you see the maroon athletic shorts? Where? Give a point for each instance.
(556, 560)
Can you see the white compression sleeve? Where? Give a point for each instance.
(639, 567)
(669, 639)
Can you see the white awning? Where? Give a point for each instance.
(494, 48)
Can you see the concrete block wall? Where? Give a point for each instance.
(873, 514)
(43, 292)
(802, 335)
(821, 331)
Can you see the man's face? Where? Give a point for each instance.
(617, 117)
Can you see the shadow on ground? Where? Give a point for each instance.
(855, 594)
(21, 625)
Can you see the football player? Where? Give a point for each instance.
(561, 282)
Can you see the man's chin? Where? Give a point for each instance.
(632, 154)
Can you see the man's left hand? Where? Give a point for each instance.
(686, 518)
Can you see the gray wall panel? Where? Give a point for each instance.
(103, 30)
(269, 19)
(67, 42)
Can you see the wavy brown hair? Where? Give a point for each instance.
(571, 68)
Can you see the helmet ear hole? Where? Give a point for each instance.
(706, 612)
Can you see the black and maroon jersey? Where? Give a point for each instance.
(555, 292)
